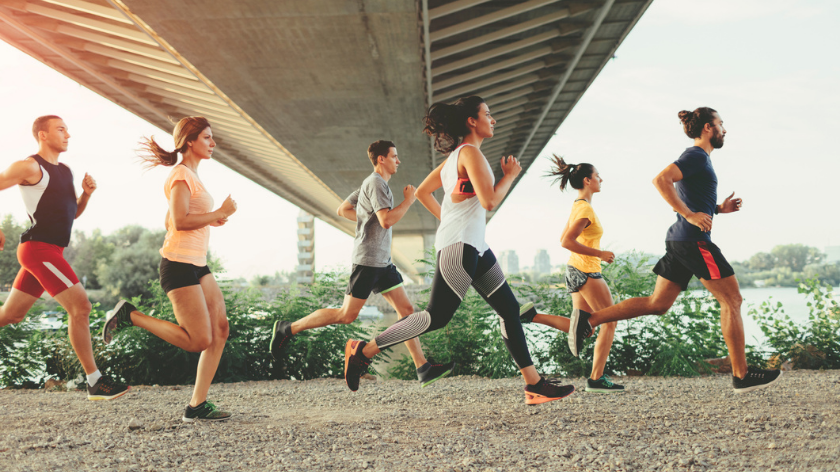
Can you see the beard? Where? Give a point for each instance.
(717, 140)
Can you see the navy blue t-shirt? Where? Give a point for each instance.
(698, 190)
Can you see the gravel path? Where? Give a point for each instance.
(457, 424)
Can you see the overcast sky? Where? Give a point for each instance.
(765, 65)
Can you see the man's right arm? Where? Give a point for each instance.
(664, 183)
(20, 172)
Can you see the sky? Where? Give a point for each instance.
(765, 65)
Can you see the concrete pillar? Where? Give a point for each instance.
(306, 248)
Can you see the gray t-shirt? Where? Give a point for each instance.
(372, 246)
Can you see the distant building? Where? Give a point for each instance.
(542, 263)
(832, 254)
(509, 262)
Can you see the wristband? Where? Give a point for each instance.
(717, 209)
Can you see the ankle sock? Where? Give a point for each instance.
(93, 378)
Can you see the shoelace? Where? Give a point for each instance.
(607, 380)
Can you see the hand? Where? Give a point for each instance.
(700, 220)
(408, 193)
(2, 240)
(729, 205)
(88, 184)
(510, 166)
(607, 256)
(219, 222)
(228, 207)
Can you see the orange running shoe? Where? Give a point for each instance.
(355, 363)
(546, 391)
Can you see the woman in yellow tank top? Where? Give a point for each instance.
(196, 298)
(582, 236)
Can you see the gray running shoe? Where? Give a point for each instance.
(281, 336)
(205, 411)
(579, 329)
(603, 385)
(106, 388)
(119, 318)
(431, 372)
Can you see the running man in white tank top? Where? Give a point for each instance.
(463, 259)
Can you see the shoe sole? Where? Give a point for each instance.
(573, 325)
(537, 399)
(105, 329)
(756, 387)
(273, 337)
(426, 384)
(98, 398)
(601, 390)
(193, 420)
(525, 310)
(348, 351)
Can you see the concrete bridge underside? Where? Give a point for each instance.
(297, 89)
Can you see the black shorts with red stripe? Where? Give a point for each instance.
(684, 259)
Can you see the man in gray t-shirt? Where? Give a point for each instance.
(372, 208)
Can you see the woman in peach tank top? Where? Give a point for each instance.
(196, 298)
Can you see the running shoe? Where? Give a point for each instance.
(106, 388)
(527, 312)
(205, 411)
(756, 378)
(430, 372)
(546, 390)
(603, 385)
(119, 318)
(355, 363)
(282, 335)
(579, 329)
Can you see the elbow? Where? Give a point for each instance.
(339, 212)
(387, 225)
(489, 206)
(566, 244)
(180, 226)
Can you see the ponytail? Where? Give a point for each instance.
(569, 173)
(447, 124)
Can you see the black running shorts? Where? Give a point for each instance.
(365, 279)
(180, 274)
(686, 258)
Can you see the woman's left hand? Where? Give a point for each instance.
(219, 222)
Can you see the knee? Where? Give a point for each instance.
(733, 302)
(81, 310)
(12, 318)
(659, 307)
(201, 342)
(221, 331)
(404, 310)
(347, 316)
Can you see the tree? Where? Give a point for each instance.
(9, 266)
(133, 263)
(761, 261)
(796, 256)
(86, 253)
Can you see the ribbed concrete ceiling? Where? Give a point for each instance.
(297, 89)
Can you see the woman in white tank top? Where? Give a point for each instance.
(463, 258)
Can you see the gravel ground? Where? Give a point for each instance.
(457, 424)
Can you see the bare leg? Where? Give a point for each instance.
(664, 295)
(595, 294)
(16, 307)
(193, 332)
(75, 301)
(347, 314)
(728, 294)
(208, 363)
(560, 323)
(398, 298)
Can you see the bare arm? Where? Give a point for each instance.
(347, 210)
(425, 192)
(479, 173)
(388, 218)
(25, 172)
(664, 183)
(179, 206)
(88, 186)
(569, 241)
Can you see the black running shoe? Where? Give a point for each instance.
(106, 388)
(119, 318)
(603, 385)
(355, 363)
(579, 329)
(527, 312)
(282, 335)
(546, 390)
(205, 411)
(431, 372)
(756, 378)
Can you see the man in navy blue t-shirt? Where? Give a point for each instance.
(689, 185)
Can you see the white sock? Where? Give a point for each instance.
(93, 378)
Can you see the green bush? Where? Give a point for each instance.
(815, 345)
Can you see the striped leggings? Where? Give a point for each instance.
(458, 267)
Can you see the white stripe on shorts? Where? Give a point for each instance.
(58, 274)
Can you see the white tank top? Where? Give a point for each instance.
(463, 222)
